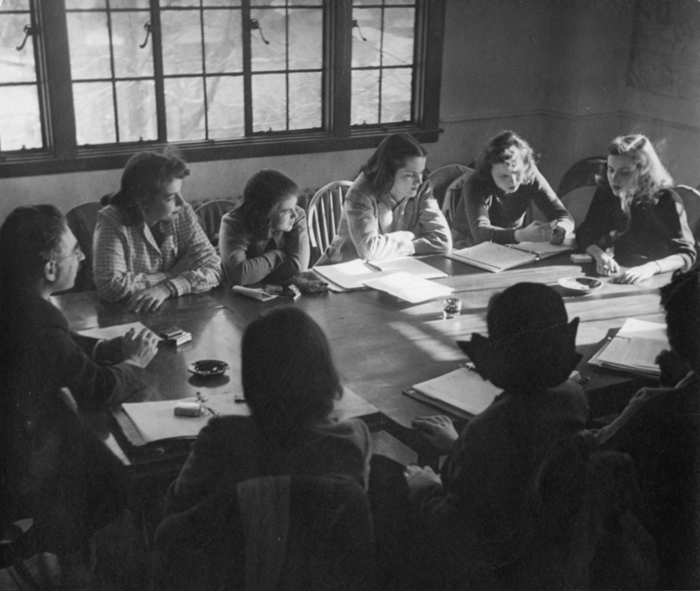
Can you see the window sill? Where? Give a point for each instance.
(108, 157)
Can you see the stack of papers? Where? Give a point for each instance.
(462, 391)
(353, 274)
(499, 257)
(409, 287)
(634, 349)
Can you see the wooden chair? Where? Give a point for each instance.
(578, 184)
(323, 216)
(82, 220)
(210, 214)
(691, 202)
(453, 194)
(443, 177)
(275, 532)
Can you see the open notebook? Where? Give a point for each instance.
(462, 392)
(634, 348)
(353, 274)
(495, 257)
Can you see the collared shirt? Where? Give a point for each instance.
(127, 259)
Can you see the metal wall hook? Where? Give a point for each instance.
(148, 28)
(28, 30)
(255, 26)
(356, 25)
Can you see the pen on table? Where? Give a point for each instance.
(370, 265)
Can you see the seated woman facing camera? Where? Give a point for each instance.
(636, 219)
(497, 197)
(148, 243)
(265, 239)
(290, 383)
(390, 210)
(510, 511)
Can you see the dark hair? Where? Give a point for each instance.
(652, 175)
(506, 148)
(681, 301)
(524, 309)
(391, 155)
(287, 370)
(144, 175)
(263, 191)
(29, 237)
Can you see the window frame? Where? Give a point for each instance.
(62, 154)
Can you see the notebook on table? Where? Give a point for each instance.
(495, 257)
(462, 392)
(353, 274)
(634, 349)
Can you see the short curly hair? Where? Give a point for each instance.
(681, 300)
(506, 148)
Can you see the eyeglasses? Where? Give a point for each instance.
(77, 251)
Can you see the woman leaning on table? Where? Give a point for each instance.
(636, 219)
(390, 210)
(497, 196)
(266, 238)
(148, 243)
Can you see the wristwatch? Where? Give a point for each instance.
(170, 286)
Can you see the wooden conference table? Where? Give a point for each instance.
(381, 345)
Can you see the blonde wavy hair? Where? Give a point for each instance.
(652, 175)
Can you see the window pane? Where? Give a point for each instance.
(267, 3)
(86, 4)
(136, 103)
(273, 55)
(15, 66)
(128, 3)
(226, 112)
(178, 3)
(269, 102)
(366, 53)
(20, 123)
(184, 106)
(94, 113)
(398, 36)
(223, 44)
(305, 2)
(365, 97)
(396, 95)
(380, 2)
(229, 3)
(305, 39)
(305, 107)
(14, 5)
(89, 45)
(127, 34)
(182, 42)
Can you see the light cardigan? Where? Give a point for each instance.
(127, 258)
(374, 227)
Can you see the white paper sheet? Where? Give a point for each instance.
(111, 332)
(409, 287)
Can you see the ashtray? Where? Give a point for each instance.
(580, 285)
(208, 367)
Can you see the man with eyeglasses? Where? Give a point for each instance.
(52, 467)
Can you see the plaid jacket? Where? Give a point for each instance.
(127, 259)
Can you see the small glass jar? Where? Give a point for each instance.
(451, 307)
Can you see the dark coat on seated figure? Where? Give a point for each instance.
(518, 506)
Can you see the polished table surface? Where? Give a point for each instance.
(381, 345)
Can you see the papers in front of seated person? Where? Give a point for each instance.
(462, 391)
(112, 332)
(495, 257)
(148, 422)
(634, 349)
(409, 288)
(353, 274)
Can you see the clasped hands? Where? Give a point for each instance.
(541, 232)
(440, 431)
